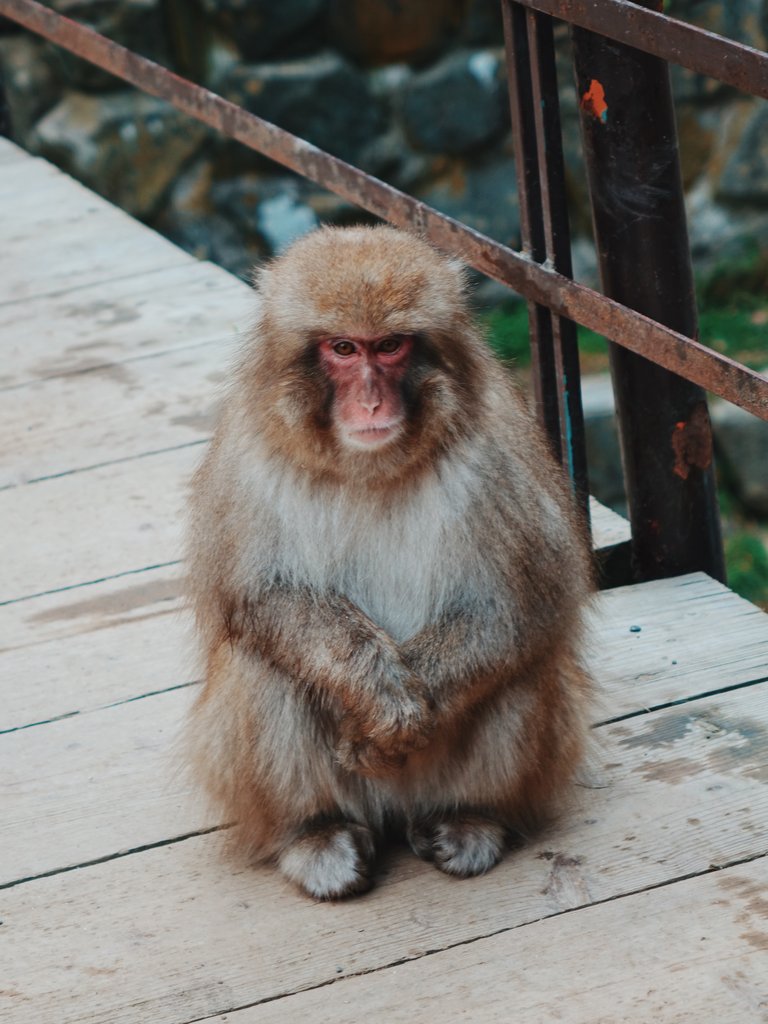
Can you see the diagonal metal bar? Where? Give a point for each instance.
(736, 64)
(717, 373)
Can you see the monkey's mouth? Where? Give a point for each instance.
(373, 437)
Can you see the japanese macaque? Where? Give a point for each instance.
(388, 576)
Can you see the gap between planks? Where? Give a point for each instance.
(695, 637)
(676, 797)
(86, 761)
(615, 961)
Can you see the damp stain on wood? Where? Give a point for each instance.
(719, 743)
(127, 600)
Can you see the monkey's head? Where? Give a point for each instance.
(365, 361)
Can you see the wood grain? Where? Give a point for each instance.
(117, 411)
(56, 235)
(75, 529)
(651, 805)
(663, 641)
(693, 951)
(76, 650)
(110, 322)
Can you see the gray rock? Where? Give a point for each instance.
(273, 209)
(278, 208)
(459, 105)
(606, 480)
(738, 19)
(266, 30)
(127, 146)
(192, 220)
(745, 177)
(136, 24)
(282, 220)
(379, 32)
(323, 100)
(31, 86)
(742, 446)
(212, 237)
(721, 236)
(482, 24)
(483, 194)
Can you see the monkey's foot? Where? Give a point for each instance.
(464, 845)
(330, 861)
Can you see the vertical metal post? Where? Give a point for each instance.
(633, 166)
(545, 230)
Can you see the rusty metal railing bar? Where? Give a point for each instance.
(675, 352)
(545, 230)
(736, 64)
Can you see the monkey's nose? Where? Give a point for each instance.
(370, 404)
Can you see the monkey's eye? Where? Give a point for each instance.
(390, 345)
(343, 348)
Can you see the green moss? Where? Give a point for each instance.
(733, 319)
(747, 566)
(507, 328)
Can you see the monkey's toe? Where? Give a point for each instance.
(463, 846)
(331, 861)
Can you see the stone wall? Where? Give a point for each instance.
(413, 93)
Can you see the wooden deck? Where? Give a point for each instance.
(647, 903)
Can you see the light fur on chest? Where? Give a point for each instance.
(399, 562)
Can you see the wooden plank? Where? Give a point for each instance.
(664, 641)
(86, 239)
(27, 181)
(117, 411)
(94, 785)
(121, 319)
(73, 529)
(693, 951)
(176, 933)
(10, 152)
(81, 649)
(125, 637)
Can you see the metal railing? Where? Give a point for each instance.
(673, 510)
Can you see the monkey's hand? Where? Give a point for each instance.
(375, 739)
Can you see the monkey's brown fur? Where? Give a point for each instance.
(391, 637)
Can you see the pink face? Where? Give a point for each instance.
(367, 375)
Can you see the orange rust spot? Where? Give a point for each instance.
(692, 442)
(593, 101)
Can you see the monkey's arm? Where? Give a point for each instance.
(330, 648)
(473, 650)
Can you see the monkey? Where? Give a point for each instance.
(388, 575)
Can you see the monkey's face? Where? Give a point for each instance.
(367, 365)
(367, 375)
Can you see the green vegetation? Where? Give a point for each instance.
(737, 328)
(746, 560)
